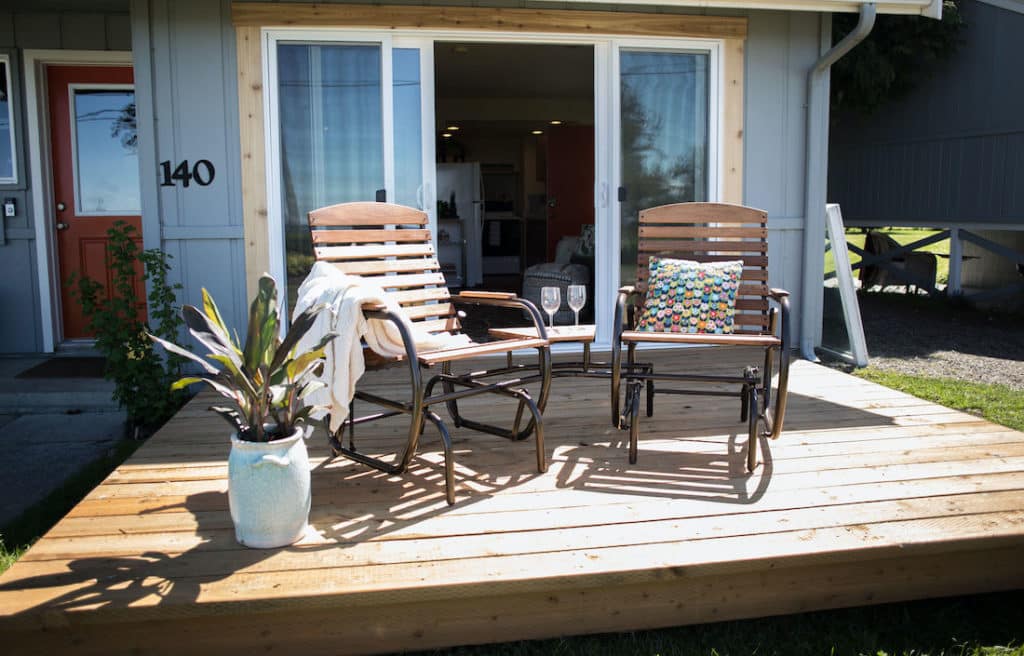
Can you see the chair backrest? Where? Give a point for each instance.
(712, 232)
(390, 246)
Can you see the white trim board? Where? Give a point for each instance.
(929, 8)
(40, 169)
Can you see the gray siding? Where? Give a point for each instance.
(20, 29)
(952, 152)
(781, 48)
(188, 109)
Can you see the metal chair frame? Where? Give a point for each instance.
(454, 386)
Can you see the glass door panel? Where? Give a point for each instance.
(331, 109)
(663, 105)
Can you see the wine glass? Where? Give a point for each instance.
(576, 295)
(550, 299)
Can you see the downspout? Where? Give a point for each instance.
(817, 182)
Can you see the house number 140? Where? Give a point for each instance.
(202, 172)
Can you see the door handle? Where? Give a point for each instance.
(62, 226)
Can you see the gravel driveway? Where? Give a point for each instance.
(920, 336)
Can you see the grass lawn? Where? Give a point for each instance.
(904, 236)
(996, 403)
(982, 625)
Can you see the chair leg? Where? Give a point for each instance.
(633, 408)
(538, 428)
(448, 387)
(650, 398)
(766, 380)
(753, 418)
(449, 458)
(616, 384)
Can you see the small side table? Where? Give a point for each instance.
(561, 334)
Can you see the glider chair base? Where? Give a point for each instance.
(419, 407)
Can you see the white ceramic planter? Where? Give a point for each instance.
(268, 491)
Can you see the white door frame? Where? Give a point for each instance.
(607, 147)
(40, 168)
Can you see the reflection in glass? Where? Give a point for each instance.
(6, 133)
(664, 107)
(106, 157)
(331, 136)
(408, 126)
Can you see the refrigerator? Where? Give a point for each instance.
(461, 218)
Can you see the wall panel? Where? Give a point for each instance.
(948, 153)
(20, 300)
(191, 111)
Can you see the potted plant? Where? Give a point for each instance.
(266, 382)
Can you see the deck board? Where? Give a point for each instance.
(869, 496)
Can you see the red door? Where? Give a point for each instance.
(95, 174)
(570, 183)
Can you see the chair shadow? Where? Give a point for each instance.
(353, 502)
(669, 473)
(666, 468)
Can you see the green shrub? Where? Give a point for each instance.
(142, 377)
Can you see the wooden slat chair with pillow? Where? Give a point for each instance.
(390, 246)
(705, 233)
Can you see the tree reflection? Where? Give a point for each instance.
(664, 136)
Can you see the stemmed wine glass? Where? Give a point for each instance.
(577, 297)
(550, 299)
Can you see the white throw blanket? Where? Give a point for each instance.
(345, 296)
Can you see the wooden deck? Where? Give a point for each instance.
(869, 496)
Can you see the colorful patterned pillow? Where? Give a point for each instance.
(684, 296)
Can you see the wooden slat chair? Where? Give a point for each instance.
(707, 232)
(390, 246)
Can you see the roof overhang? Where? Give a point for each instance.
(929, 8)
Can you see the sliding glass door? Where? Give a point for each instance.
(350, 119)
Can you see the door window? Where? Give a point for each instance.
(105, 146)
(664, 136)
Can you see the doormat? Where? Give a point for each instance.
(74, 367)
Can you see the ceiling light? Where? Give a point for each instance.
(447, 135)
(537, 132)
(555, 122)
(452, 128)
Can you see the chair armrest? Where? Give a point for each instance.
(627, 289)
(481, 294)
(379, 311)
(777, 293)
(507, 300)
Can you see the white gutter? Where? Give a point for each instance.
(817, 181)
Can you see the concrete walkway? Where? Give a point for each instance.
(50, 428)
